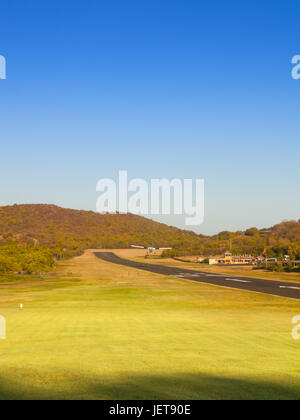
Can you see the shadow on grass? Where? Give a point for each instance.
(185, 387)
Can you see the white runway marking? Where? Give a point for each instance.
(289, 287)
(213, 275)
(189, 274)
(239, 281)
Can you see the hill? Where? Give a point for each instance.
(68, 232)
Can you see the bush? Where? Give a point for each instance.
(275, 267)
(25, 259)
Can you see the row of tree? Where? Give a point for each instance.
(278, 241)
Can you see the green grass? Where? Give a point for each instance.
(99, 331)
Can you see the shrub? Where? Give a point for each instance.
(25, 259)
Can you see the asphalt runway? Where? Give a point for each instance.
(270, 287)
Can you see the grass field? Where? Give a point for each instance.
(100, 331)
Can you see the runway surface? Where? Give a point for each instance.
(270, 287)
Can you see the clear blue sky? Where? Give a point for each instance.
(162, 88)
